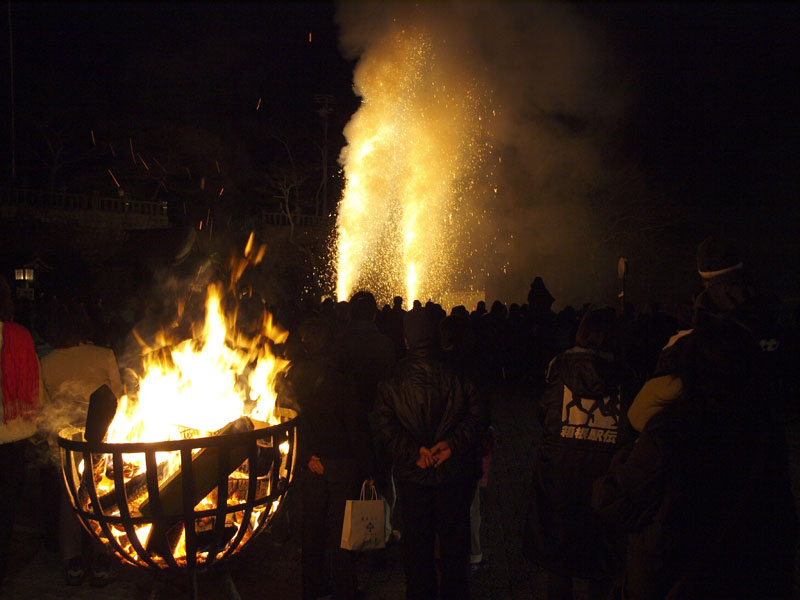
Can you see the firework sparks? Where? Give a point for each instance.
(415, 150)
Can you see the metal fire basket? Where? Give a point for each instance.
(224, 491)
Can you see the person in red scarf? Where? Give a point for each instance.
(19, 391)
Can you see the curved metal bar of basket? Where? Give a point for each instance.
(275, 434)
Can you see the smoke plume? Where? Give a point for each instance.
(551, 104)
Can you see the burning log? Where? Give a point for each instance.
(135, 487)
(205, 474)
(204, 469)
(102, 408)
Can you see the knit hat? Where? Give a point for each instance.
(716, 256)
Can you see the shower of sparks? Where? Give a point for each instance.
(416, 155)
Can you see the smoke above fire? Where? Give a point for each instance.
(471, 164)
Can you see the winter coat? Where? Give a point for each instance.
(368, 355)
(332, 422)
(21, 392)
(707, 504)
(423, 402)
(583, 412)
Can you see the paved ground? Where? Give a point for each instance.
(269, 567)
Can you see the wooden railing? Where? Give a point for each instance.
(280, 219)
(56, 205)
(72, 201)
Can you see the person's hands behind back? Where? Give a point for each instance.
(440, 453)
(425, 458)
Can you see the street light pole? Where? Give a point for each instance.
(325, 102)
(622, 273)
(11, 64)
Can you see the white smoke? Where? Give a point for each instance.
(559, 101)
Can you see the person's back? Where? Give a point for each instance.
(332, 421)
(75, 368)
(705, 490)
(582, 413)
(431, 421)
(363, 351)
(334, 458)
(430, 402)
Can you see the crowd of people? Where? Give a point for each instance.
(662, 470)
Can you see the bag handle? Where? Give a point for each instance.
(374, 492)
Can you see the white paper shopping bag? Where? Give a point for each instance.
(362, 528)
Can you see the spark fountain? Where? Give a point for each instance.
(417, 150)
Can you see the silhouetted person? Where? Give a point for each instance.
(541, 324)
(363, 351)
(727, 293)
(431, 420)
(335, 457)
(480, 310)
(583, 415)
(394, 326)
(704, 493)
(540, 300)
(20, 396)
(71, 373)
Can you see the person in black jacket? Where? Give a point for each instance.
(583, 415)
(705, 492)
(431, 420)
(335, 452)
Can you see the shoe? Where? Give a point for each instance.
(75, 571)
(103, 571)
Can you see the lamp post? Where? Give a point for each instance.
(622, 273)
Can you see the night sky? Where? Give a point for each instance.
(717, 87)
(713, 124)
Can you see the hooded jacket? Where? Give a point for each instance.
(423, 402)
